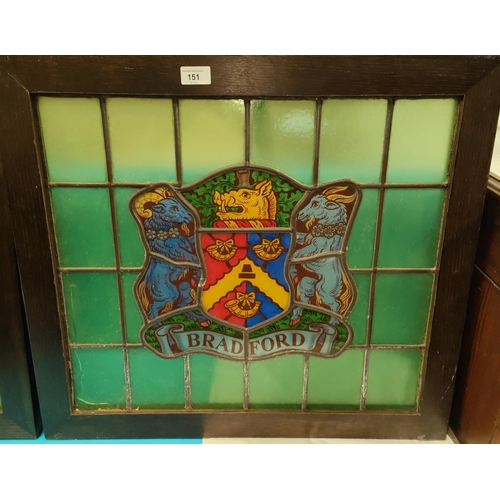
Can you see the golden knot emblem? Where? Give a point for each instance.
(244, 306)
(268, 249)
(222, 250)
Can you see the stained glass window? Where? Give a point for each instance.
(247, 253)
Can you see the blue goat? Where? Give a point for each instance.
(326, 221)
(168, 285)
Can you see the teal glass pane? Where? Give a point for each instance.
(358, 316)
(132, 251)
(401, 308)
(362, 237)
(352, 139)
(98, 378)
(92, 308)
(216, 382)
(336, 383)
(133, 317)
(410, 227)
(83, 227)
(282, 135)
(277, 382)
(393, 377)
(421, 140)
(141, 133)
(212, 136)
(155, 382)
(73, 139)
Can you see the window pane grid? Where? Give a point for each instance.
(373, 271)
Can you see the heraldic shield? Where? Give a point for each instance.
(246, 264)
(245, 281)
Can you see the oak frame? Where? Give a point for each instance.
(476, 80)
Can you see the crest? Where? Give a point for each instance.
(246, 264)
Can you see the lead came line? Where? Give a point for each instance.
(246, 367)
(317, 136)
(177, 141)
(187, 383)
(247, 132)
(371, 299)
(305, 382)
(114, 222)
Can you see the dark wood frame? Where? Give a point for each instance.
(19, 418)
(476, 80)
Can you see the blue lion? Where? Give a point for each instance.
(322, 279)
(168, 285)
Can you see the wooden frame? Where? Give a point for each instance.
(19, 417)
(476, 80)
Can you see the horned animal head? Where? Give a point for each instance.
(161, 205)
(327, 207)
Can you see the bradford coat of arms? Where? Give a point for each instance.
(246, 264)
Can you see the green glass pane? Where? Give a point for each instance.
(393, 377)
(98, 378)
(156, 382)
(352, 139)
(336, 383)
(361, 239)
(282, 136)
(92, 308)
(73, 139)
(358, 315)
(401, 308)
(133, 317)
(215, 382)
(277, 382)
(410, 227)
(212, 136)
(131, 246)
(83, 227)
(141, 133)
(421, 140)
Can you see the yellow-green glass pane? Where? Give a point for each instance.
(132, 250)
(133, 317)
(282, 137)
(401, 308)
(98, 378)
(212, 136)
(141, 133)
(410, 227)
(216, 382)
(421, 140)
(362, 236)
(358, 315)
(92, 308)
(352, 139)
(155, 382)
(73, 139)
(84, 232)
(393, 378)
(336, 383)
(277, 382)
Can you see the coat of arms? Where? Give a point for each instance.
(246, 264)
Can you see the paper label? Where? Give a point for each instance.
(195, 75)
